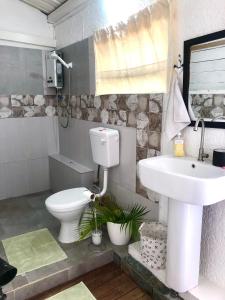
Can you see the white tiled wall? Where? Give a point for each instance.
(24, 147)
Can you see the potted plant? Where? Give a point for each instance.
(121, 224)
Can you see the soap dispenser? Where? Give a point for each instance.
(179, 146)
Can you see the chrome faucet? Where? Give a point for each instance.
(201, 155)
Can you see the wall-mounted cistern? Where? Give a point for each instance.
(201, 154)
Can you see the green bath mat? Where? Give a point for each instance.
(32, 250)
(76, 292)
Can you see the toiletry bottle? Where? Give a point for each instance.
(179, 146)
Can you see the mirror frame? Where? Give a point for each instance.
(186, 69)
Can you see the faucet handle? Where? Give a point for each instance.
(205, 155)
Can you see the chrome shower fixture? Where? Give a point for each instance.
(54, 55)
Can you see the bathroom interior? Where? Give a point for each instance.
(112, 149)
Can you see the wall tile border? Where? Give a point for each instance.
(207, 105)
(19, 106)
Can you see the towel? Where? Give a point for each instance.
(177, 117)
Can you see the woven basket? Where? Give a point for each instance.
(153, 244)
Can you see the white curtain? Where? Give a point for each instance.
(132, 57)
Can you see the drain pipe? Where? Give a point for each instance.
(105, 184)
(93, 196)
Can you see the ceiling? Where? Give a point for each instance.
(45, 6)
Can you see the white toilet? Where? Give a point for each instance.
(68, 205)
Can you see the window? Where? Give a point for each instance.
(131, 57)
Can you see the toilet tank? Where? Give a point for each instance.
(105, 146)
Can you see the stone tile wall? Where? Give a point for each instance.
(208, 105)
(17, 106)
(143, 112)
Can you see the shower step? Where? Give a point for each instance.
(43, 279)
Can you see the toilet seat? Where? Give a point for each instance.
(68, 199)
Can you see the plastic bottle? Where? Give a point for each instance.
(179, 146)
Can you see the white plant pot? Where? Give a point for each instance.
(117, 235)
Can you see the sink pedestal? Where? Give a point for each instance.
(195, 184)
(183, 245)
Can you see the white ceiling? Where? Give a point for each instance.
(46, 6)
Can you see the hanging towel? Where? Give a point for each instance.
(177, 117)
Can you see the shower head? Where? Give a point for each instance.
(54, 55)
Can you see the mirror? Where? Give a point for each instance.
(204, 78)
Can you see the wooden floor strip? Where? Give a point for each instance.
(105, 283)
(115, 288)
(136, 294)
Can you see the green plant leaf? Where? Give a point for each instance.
(107, 210)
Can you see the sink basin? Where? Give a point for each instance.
(183, 179)
(190, 185)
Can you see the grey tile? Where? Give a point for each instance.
(110, 102)
(9, 291)
(2, 251)
(8, 288)
(122, 102)
(132, 121)
(10, 295)
(22, 71)
(154, 140)
(122, 121)
(93, 115)
(141, 153)
(121, 251)
(142, 137)
(91, 65)
(47, 271)
(42, 285)
(81, 71)
(50, 100)
(76, 113)
(143, 103)
(155, 122)
(93, 262)
(140, 189)
(17, 112)
(142, 121)
(154, 106)
(113, 117)
(19, 281)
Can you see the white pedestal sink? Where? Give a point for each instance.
(190, 185)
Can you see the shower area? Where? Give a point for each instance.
(35, 109)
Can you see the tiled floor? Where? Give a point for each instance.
(28, 213)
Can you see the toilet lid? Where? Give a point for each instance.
(68, 199)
